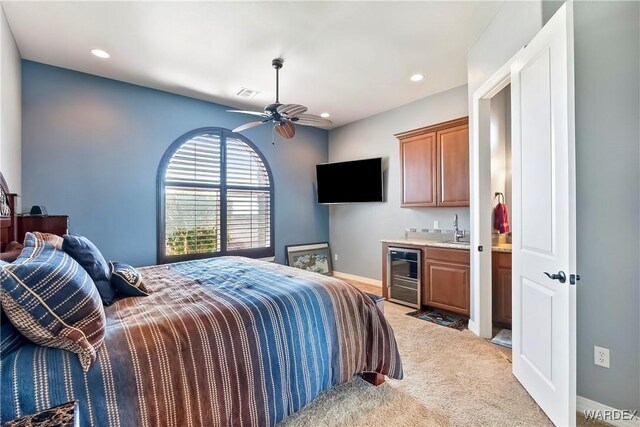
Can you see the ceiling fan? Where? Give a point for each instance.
(283, 116)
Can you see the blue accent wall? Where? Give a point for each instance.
(91, 148)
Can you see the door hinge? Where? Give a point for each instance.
(573, 278)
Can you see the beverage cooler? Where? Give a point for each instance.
(403, 276)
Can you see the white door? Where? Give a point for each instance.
(544, 232)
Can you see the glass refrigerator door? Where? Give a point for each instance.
(404, 276)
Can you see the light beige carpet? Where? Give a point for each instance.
(451, 378)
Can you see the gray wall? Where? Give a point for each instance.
(607, 74)
(501, 145)
(513, 27)
(10, 109)
(356, 229)
(607, 83)
(91, 149)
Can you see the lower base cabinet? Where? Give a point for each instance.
(501, 289)
(447, 280)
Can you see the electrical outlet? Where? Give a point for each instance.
(335, 257)
(601, 356)
(436, 225)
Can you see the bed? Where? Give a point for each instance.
(221, 341)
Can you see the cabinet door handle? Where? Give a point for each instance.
(560, 276)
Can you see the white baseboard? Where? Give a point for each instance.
(473, 327)
(368, 281)
(583, 404)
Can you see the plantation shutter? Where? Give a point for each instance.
(192, 197)
(248, 198)
(216, 199)
(197, 161)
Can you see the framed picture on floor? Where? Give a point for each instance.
(314, 257)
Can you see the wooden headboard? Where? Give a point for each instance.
(8, 225)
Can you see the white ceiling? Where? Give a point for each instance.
(351, 59)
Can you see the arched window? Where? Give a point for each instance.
(215, 197)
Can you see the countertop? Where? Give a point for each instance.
(502, 247)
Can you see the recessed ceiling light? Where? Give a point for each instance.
(325, 115)
(417, 77)
(100, 53)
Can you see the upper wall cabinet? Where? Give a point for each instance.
(434, 163)
(418, 157)
(453, 166)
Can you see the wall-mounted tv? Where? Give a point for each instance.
(350, 182)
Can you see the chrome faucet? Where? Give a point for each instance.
(457, 234)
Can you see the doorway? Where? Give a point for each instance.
(543, 281)
(483, 199)
(501, 277)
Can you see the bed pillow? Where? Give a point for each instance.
(52, 301)
(3, 317)
(89, 257)
(127, 280)
(54, 239)
(10, 339)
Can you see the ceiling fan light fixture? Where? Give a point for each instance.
(325, 115)
(417, 77)
(284, 117)
(285, 129)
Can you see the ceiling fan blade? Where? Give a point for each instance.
(291, 110)
(312, 120)
(285, 129)
(248, 126)
(254, 113)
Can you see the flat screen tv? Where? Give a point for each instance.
(350, 182)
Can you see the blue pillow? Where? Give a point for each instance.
(3, 317)
(89, 257)
(127, 280)
(52, 301)
(10, 339)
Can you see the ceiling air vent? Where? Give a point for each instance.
(247, 93)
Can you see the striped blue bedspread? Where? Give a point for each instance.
(223, 341)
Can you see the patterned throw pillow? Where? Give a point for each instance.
(54, 239)
(52, 301)
(89, 257)
(10, 339)
(127, 280)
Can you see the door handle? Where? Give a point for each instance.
(560, 276)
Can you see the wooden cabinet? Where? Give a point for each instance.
(447, 279)
(501, 289)
(55, 224)
(418, 159)
(453, 166)
(434, 164)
